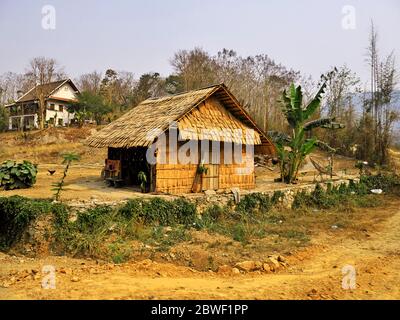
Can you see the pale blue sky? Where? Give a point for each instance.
(141, 36)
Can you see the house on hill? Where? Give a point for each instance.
(57, 95)
(190, 142)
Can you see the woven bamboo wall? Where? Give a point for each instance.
(179, 178)
(237, 174)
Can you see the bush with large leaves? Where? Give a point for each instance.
(15, 175)
(292, 149)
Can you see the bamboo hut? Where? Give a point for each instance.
(211, 151)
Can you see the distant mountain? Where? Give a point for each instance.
(358, 99)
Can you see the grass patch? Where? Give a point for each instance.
(342, 197)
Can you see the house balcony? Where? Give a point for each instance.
(24, 110)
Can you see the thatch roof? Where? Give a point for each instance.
(137, 127)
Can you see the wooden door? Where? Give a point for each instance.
(210, 179)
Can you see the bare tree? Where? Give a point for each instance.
(195, 67)
(42, 70)
(342, 87)
(257, 81)
(383, 113)
(117, 88)
(11, 85)
(90, 82)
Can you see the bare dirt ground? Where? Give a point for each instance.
(313, 273)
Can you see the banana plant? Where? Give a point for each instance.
(292, 149)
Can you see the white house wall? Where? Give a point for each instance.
(64, 92)
(65, 115)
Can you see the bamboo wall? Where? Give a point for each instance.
(179, 178)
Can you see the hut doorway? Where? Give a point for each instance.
(129, 162)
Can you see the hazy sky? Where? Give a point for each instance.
(141, 36)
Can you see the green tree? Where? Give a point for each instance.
(149, 85)
(90, 105)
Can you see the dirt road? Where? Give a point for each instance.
(314, 273)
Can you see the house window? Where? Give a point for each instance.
(52, 106)
(60, 107)
(60, 122)
(51, 121)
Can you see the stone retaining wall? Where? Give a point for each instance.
(288, 193)
(222, 197)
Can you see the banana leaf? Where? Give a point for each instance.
(315, 103)
(318, 123)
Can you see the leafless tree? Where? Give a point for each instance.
(40, 71)
(11, 85)
(257, 81)
(380, 105)
(89, 82)
(342, 86)
(195, 67)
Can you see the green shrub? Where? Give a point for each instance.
(353, 194)
(133, 209)
(212, 215)
(389, 183)
(239, 233)
(93, 219)
(160, 211)
(15, 215)
(15, 175)
(119, 251)
(214, 212)
(86, 234)
(277, 197)
(254, 203)
(185, 211)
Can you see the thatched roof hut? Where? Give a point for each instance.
(209, 114)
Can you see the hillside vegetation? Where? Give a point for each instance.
(46, 146)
